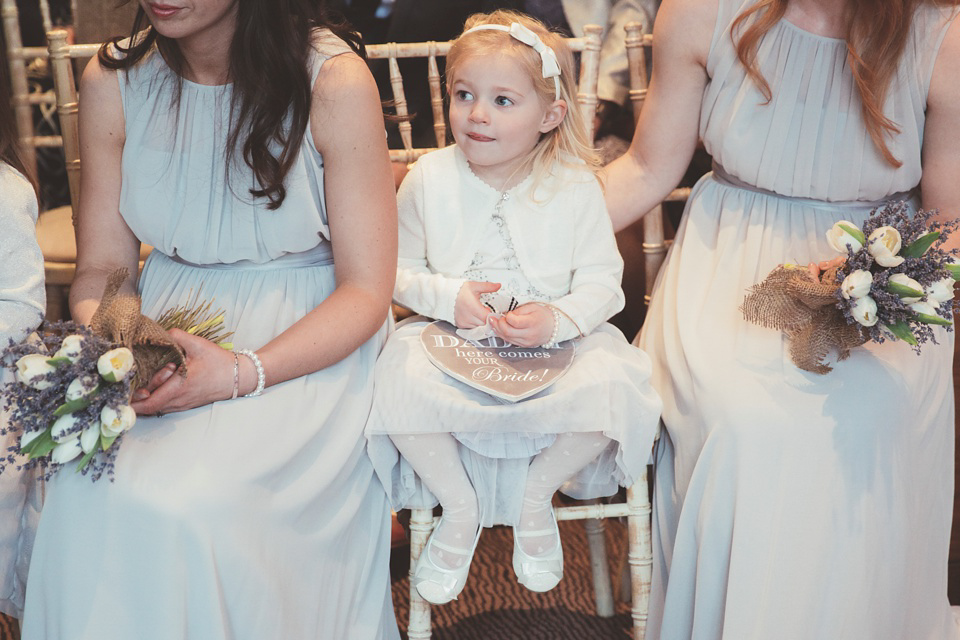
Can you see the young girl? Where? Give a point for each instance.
(512, 212)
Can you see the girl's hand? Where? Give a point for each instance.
(469, 312)
(209, 378)
(529, 325)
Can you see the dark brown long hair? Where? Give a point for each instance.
(877, 32)
(10, 151)
(271, 81)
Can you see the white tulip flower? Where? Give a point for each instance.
(845, 234)
(31, 370)
(115, 364)
(904, 280)
(64, 428)
(90, 437)
(864, 311)
(28, 437)
(940, 291)
(67, 451)
(884, 245)
(924, 308)
(113, 422)
(856, 285)
(70, 348)
(80, 387)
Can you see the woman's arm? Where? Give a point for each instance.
(667, 132)
(21, 266)
(347, 128)
(104, 241)
(939, 185)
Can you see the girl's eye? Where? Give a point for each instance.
(502, 101)
(464, 95)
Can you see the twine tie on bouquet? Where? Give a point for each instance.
(805, 310)
(118, 319)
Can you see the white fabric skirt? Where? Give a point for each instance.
(605, 390)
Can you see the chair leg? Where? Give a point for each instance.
(640, 553)
(421, 524)
(602, 589)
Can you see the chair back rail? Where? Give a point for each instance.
(65, 89)
(23, 99)
(17, 62)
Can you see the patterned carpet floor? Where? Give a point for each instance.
(493, 606)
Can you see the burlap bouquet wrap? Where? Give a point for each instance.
(119, 320)
(805, 310)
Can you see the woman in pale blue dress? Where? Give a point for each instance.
(792, 505)
(233, 517)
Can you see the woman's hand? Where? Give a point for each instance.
(529, 325)
(158, 379)
(816, 268)
(468, 311)
(209, 377)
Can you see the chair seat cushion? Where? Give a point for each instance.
(55, 235)
(57, 240)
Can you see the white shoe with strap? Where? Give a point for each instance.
(440, 585)
(543, 572)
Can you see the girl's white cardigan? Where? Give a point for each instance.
(563, 238)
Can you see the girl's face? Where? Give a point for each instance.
(497, 117)
(210, 20)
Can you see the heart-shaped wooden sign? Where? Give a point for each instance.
(493, 366)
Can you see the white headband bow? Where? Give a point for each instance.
(550, 68)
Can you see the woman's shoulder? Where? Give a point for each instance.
(119, 49)
(930, 23)
(325, 44)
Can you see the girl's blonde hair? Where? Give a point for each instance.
(567, 143)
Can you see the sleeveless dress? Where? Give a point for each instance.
(249, 518)
(791, 505)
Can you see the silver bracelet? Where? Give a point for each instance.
(236, 376)
(261, 379)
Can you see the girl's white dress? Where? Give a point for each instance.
(22, 301)
(558, 248)
(251, 518)
(791, 505)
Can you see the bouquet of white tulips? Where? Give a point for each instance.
(70, 399)
(895, 282)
